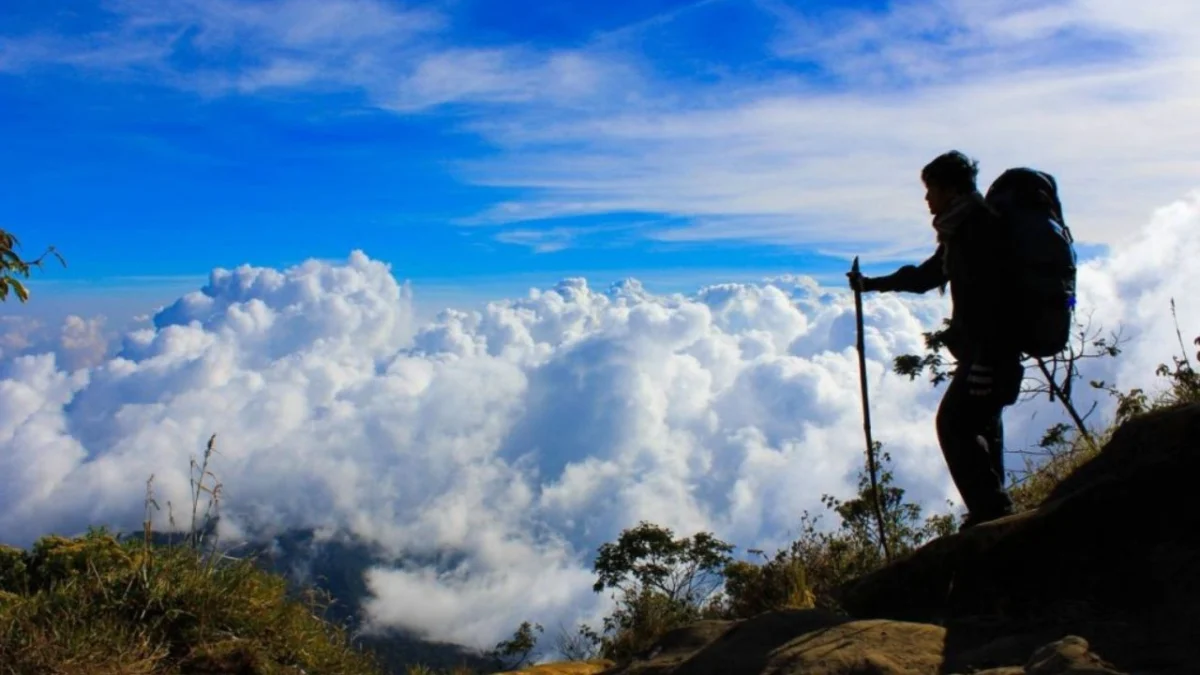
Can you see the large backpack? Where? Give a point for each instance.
(1045, 262)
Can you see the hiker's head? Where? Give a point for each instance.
(949, 175)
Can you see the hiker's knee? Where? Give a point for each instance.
(949, 415)
(1009, 382)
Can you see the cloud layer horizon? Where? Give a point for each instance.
(522, 436)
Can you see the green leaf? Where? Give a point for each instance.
(22, 292)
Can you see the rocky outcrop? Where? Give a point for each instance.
(1108, 565)
(1113, 554)
(810, 642)
(570, 668)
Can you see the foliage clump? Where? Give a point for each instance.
(97, 604)
(14, 268)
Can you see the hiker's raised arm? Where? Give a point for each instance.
(911, 278)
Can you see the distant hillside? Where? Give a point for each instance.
(336, 566)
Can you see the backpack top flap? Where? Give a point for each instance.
(1022, 189)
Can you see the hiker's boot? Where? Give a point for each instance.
(973, 519)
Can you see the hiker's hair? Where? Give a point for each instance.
(952, 170)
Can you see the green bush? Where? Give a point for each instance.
(644, 616)
(780, 583)
(99, 604)
(96, 604)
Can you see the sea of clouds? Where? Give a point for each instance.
(514, 440)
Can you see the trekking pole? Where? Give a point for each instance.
(862, 379)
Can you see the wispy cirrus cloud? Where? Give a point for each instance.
(541, 241)
(1095, 91)
(549, 240)
(219, 44)
(398, 56)
(498, 75)
(915, 43)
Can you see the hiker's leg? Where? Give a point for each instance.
(964, 424)
(1009, 375)
(994, 435)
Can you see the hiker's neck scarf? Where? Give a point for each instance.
(948, 222)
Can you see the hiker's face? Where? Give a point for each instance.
(937, 197)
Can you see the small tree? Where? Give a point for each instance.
(518, 650)
(663, 582)
(582, 645)
(832, 558)
(686, 570)
(902, 521)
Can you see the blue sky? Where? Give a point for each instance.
(482, 149)
(492, 146)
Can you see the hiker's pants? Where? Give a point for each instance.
(971, 433)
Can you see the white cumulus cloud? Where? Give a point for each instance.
(76, 342)
(505, 444)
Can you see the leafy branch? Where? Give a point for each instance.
(1054, 377)
(13, 268)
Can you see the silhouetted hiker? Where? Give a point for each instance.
(974, 257)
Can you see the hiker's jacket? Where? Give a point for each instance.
(979, 276)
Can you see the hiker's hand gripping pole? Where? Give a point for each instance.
(856, 284)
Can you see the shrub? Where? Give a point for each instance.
(96, 604)
(780, 583)
(644, 616)
(100, 604)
